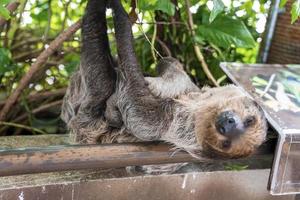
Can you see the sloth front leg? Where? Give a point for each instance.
(172, 81)
(145, 116)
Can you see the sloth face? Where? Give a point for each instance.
(232, 127)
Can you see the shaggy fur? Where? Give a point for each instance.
(100, 109)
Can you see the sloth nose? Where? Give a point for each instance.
(229, 124)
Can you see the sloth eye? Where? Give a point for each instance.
(249, 121)
(226, 144)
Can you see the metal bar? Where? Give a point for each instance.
(24, 161)
(270, 28)
(76, 157)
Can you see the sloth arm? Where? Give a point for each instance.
(172, 80)
(96, 67)
(144, 115)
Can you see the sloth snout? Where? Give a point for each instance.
(229, 124)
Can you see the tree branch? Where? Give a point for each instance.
(35, 67)
(43, 95)
(39, 109)
(11, 7)
(197, 50)
(22, 126)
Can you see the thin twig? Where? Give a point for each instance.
(48, 27)
(28, 54)
(28, 41)
(39, 109)
(22, 126)
(146, 37)
(66, 7)
(41, 60)
(153, 43)
(162, 23)
(197, 50)
(47, 94)
(221, 79)
(11, 7)
(43, 95)
(141, 29)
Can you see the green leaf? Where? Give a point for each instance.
(236, 167)
(282, 3)
(165, 6)
(248, 6)
(6, 64)
(41, 16)
(199, 40)
(217, 9)
(146, 4)
(4, 12)
(295, 10)
(4, 2)
(225, 31)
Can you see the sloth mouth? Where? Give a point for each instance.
(212, 151)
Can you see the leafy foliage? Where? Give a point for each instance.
(3, 11)
(165, 6)
(217, 9)
(295, 11)
(225, 31)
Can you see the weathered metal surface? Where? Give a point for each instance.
(60, 158)
(224, 185)
(36, 160)
(285, 173)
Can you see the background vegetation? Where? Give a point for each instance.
(200, 33)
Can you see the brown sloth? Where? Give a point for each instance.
(110, 101)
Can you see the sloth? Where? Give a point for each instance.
(110, 101)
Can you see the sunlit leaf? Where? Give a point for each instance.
(4, 12)
(165, 6)
(41, 16)
(217, 9)
(225, 31)
(146, 4)
(4, 2)
(248, 6)
(295, 10)
(282, 3)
